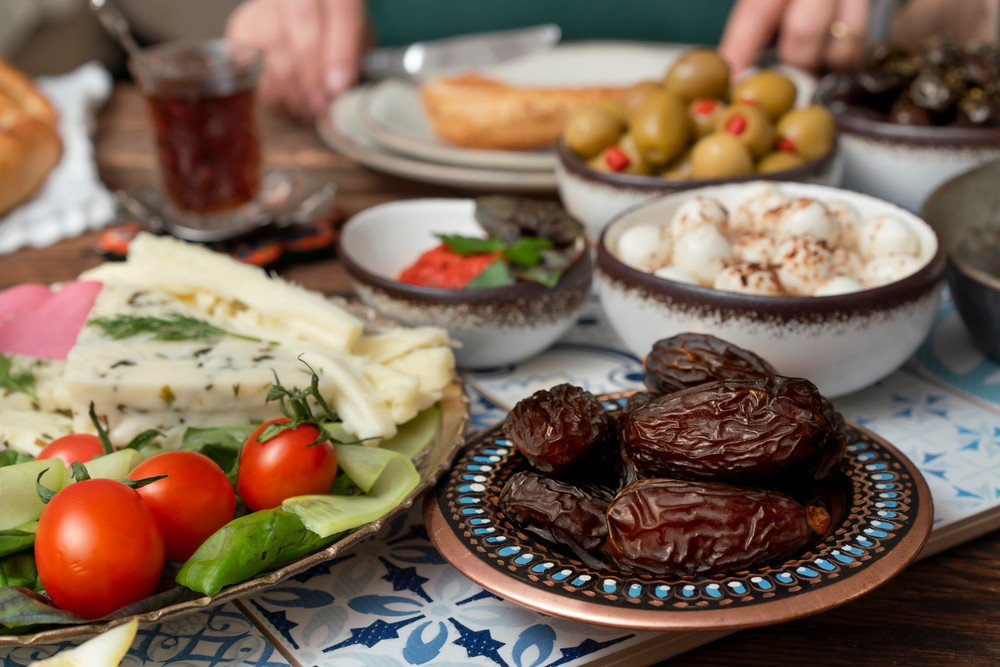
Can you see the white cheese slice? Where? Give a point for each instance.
(28, 431)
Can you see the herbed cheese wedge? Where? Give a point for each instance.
(28, 431)
(244, 294)
(48, 387)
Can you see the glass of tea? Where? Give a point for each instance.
(202, 95)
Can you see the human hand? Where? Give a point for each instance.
(311, 49)
(810, 34)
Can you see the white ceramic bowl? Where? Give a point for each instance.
(595, 197)
(842, 343)
(494, 326)
(904, 164)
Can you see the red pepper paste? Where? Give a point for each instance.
(443, 267)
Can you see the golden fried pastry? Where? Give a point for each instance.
(476, 112)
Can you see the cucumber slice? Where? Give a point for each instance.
(17, 488)
(327, 515)
(413, 436)
(116, 465)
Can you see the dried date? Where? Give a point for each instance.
(690, 359)
(758, 430)
(669, 526)
(558, 428)
(558, 513)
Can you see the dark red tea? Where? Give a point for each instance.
(208, 147)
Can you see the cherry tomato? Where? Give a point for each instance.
(193, 501)
(98, 548)
(80, 447)
(284, 466)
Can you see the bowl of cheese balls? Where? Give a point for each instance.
(829, 284)
(695, 127)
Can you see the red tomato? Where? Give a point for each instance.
(284, 466)
(73, 447)
(192, 502)
(98, 548)
(443, 267)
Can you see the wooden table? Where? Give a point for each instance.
(943, 610)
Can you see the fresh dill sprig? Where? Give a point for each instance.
(22, 382)
(171, 327)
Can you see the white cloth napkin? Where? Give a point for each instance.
(73, 199)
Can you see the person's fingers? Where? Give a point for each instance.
(254, 24)
(805, 30)
(846, 46)
(345, 35)
(303, 30)
(749, 30)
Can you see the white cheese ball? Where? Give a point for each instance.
(748, 279)
(761, 197)
(755, 248)
(838, 285)
(848, 220)
(887, 235)
(696, 212)
(703, 251)
(847, 262)
(884, 270)
(676, 274)
(804, 217)
(644, 247)
(803, 264)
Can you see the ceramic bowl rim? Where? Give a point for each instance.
(580, 268)
(935, 136)
(658, 184)
(929, 276)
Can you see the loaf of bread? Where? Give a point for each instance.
(477, 112)
(30, 146)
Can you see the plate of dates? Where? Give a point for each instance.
(723, 496)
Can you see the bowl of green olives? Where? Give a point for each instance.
(695, 127)
(911, 118)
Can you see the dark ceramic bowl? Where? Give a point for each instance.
(494, 326)
(595, 197)
(965, 211)
(842, 343)
(904, 163)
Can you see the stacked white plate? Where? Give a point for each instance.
(383, 126)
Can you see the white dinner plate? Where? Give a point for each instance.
(342, 130)
(392, 113)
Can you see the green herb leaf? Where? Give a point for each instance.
(172, 327)
(527, 250)
(497, 274)
(9, 457)
(538, 274)
(466, 245)
(22, 382)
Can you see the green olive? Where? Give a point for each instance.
(636, 94)
(610, 159)
(704, 113)
(660, 127)
(698, 73)
(779, 161)
(720, 155)
(750, 125)
(591, 130)
(768, 89)
(809, 131)
(680, 167)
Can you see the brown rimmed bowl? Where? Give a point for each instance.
(595, 197)
(494, 326)
(842, 343)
